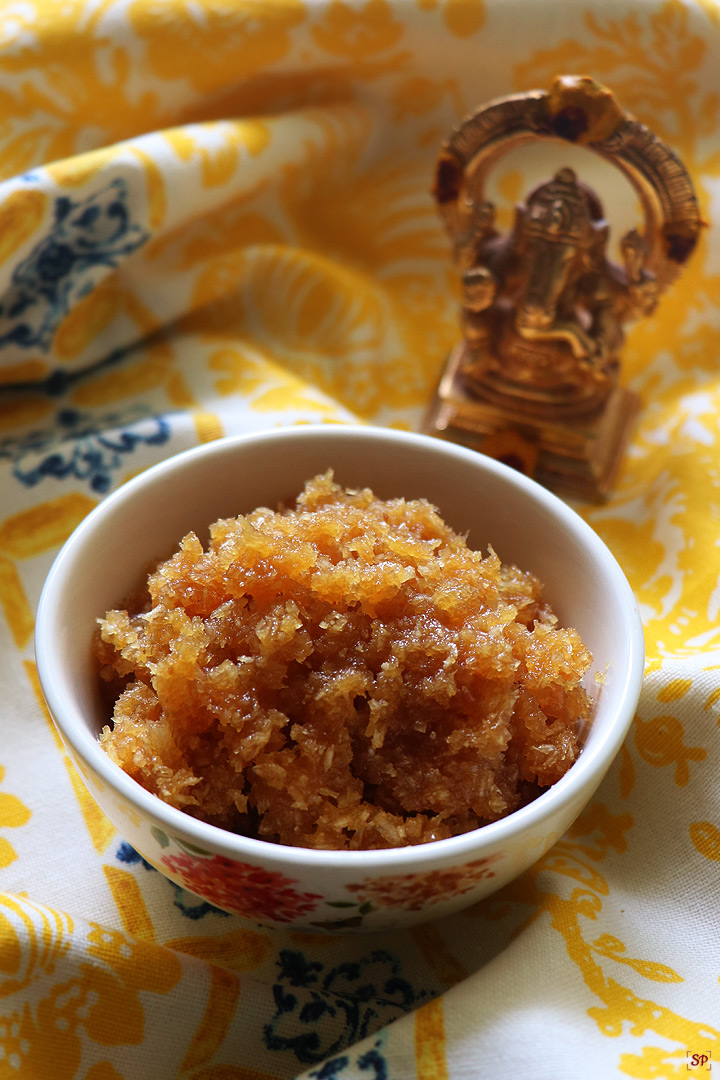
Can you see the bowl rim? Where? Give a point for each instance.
(590, 766)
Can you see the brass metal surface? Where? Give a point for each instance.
(535, 379)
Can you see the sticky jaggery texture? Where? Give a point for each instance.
(345, 673)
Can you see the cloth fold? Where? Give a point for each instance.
(215, 217)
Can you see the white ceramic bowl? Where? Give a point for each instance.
(292, 887)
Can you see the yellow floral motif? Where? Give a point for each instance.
(219, 1012)
(712, 699)
(599, 829)
(103, 1070)
(22, 372)
(421, 96)
(20, 216)
(153, 365)
(614, 949)
(216, 247)
(100, 830)
(430, 1042)
(564, 859)
(185, 41)
(237, 950)
(463, 18)
(13, 814)
(70, 101)
(43, 527)
(241, 374)
(674, 690)
(621, 1009)
(660, 743)
(78, 170)
(14, 603)
(380, 220)
(216, 239)
(326, 325)
(359, 32)
(101, 995)
(360, 313)
(131, 906)
(156, 189)
(367, 321)
(25, 535)
(93, 314)
(124, 969)
(706, 838)
(208, 426)
(218, 147)
(644, 558)
(48, 934)
(654, 1061)
(153, 369)
(244, 375)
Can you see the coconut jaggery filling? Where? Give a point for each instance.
(345, 673)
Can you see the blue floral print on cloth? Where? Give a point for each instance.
(83, 446)
(85, 240)
(341, 1005)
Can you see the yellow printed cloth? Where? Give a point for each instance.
(215, 218)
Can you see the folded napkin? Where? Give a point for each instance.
(215, 218)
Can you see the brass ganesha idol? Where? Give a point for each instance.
(535, 378)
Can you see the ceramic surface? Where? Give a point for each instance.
(329, 890)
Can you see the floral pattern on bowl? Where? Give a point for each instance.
(265, 895)
(413, 892)
(238, 887)
(241, 887)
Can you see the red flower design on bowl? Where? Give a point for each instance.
(414, 891)
(241, 888)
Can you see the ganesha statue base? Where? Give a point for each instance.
(576, 455)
